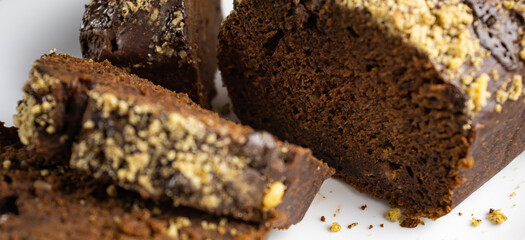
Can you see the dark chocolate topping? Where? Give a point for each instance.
(497, 32)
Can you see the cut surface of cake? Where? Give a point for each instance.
(171, 43)
(61, 203)
(418, 102)
(145, 138)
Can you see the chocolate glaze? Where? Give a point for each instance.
(145, 41)
(497, 32)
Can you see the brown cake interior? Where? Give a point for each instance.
(336, 81)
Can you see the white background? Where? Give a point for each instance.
(29, 28)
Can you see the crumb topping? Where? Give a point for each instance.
(516, 88)
(498, 108)
(6, 164)
(478, 93)
(505, 93)
(496, 216)
(273, 196)
(34, 115)
(111, 190)
(393, 214)
(170, 23)
(335, 227)
(177, 145)
(174, 225)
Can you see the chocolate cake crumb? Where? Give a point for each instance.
(370, 227)
(323, 219)
(352, 225)
(363, 207)
(381, 225)
(476, 222)
(335, 227)
(460, 214)
(410, 223)
(393, 214)
(496, 216)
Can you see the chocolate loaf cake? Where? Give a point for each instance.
(418, 102)
(170, 42)
(159, 143)
(61, 203)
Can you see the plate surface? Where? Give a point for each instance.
(29, 28)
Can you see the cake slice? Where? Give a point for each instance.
(170, 42)
(159, 143)
(418, 102)
(61, 203)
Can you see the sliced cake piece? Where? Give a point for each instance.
(170, 42)
(419, 102)
(159, 143)
(62, 203)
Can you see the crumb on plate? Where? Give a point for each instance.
(476, 222)
(352, 225)
(393, 214)
(496, 216)
(335, 227)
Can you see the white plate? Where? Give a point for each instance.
(29, 28)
